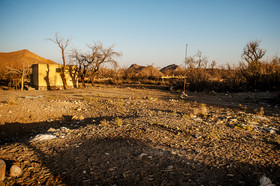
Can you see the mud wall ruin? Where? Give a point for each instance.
(48, 76)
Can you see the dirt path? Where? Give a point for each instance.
(142, 136)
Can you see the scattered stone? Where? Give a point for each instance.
(2, 169)
(15, 171)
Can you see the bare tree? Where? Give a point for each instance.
(17, 76)
(213, 64)
(94, 59)
(62, 44)
(201, 60)
(252, 53)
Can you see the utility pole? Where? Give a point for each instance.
(185, 74)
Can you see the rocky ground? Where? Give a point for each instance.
(139, 135)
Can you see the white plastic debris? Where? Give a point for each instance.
(184, 95)
(265, 181)
(43, 137)
(33, 96)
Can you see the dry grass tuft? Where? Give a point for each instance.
(12, 101)
(277, 139)
(118, 122)
(201, 110)
(104, 122)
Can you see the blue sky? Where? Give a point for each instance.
(145, 31)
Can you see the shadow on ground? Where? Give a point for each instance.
(21, 132)
(127, 161)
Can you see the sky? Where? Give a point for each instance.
(146, 32)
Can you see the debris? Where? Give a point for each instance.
(15, 171)
(32, 97)
(184, 95)
(261, 118)
(197, 136)
(142, 155)
(2, 169)
(43, 137)
(265, 181)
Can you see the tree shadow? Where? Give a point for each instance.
(22, 132)
(123, 160)
(47, 78)
(73, 72)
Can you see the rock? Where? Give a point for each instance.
(2, 183)
(15, 171)
(2, 169)
(265, 181)
(169, 167)
(272, 131)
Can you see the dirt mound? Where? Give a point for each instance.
(145, 71)
(171, 69)
(22, 57)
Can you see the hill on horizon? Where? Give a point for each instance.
(22, 57)
(145, 70)
(171, 69)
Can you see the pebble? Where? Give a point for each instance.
(15, 171)
(2, 169)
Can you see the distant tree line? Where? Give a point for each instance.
(251, 74)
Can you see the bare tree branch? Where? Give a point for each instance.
(62, 44)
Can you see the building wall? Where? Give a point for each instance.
(48, 76)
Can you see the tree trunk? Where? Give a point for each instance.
(22, 81)
(63, 70)
(83, 78)
(63, 78)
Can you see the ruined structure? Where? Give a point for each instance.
(48, 76)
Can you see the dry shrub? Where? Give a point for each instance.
(118, 122)
(201, 110)
(12, 101)
(104, 122)
(277, 139)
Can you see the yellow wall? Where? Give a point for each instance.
(49, 76)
